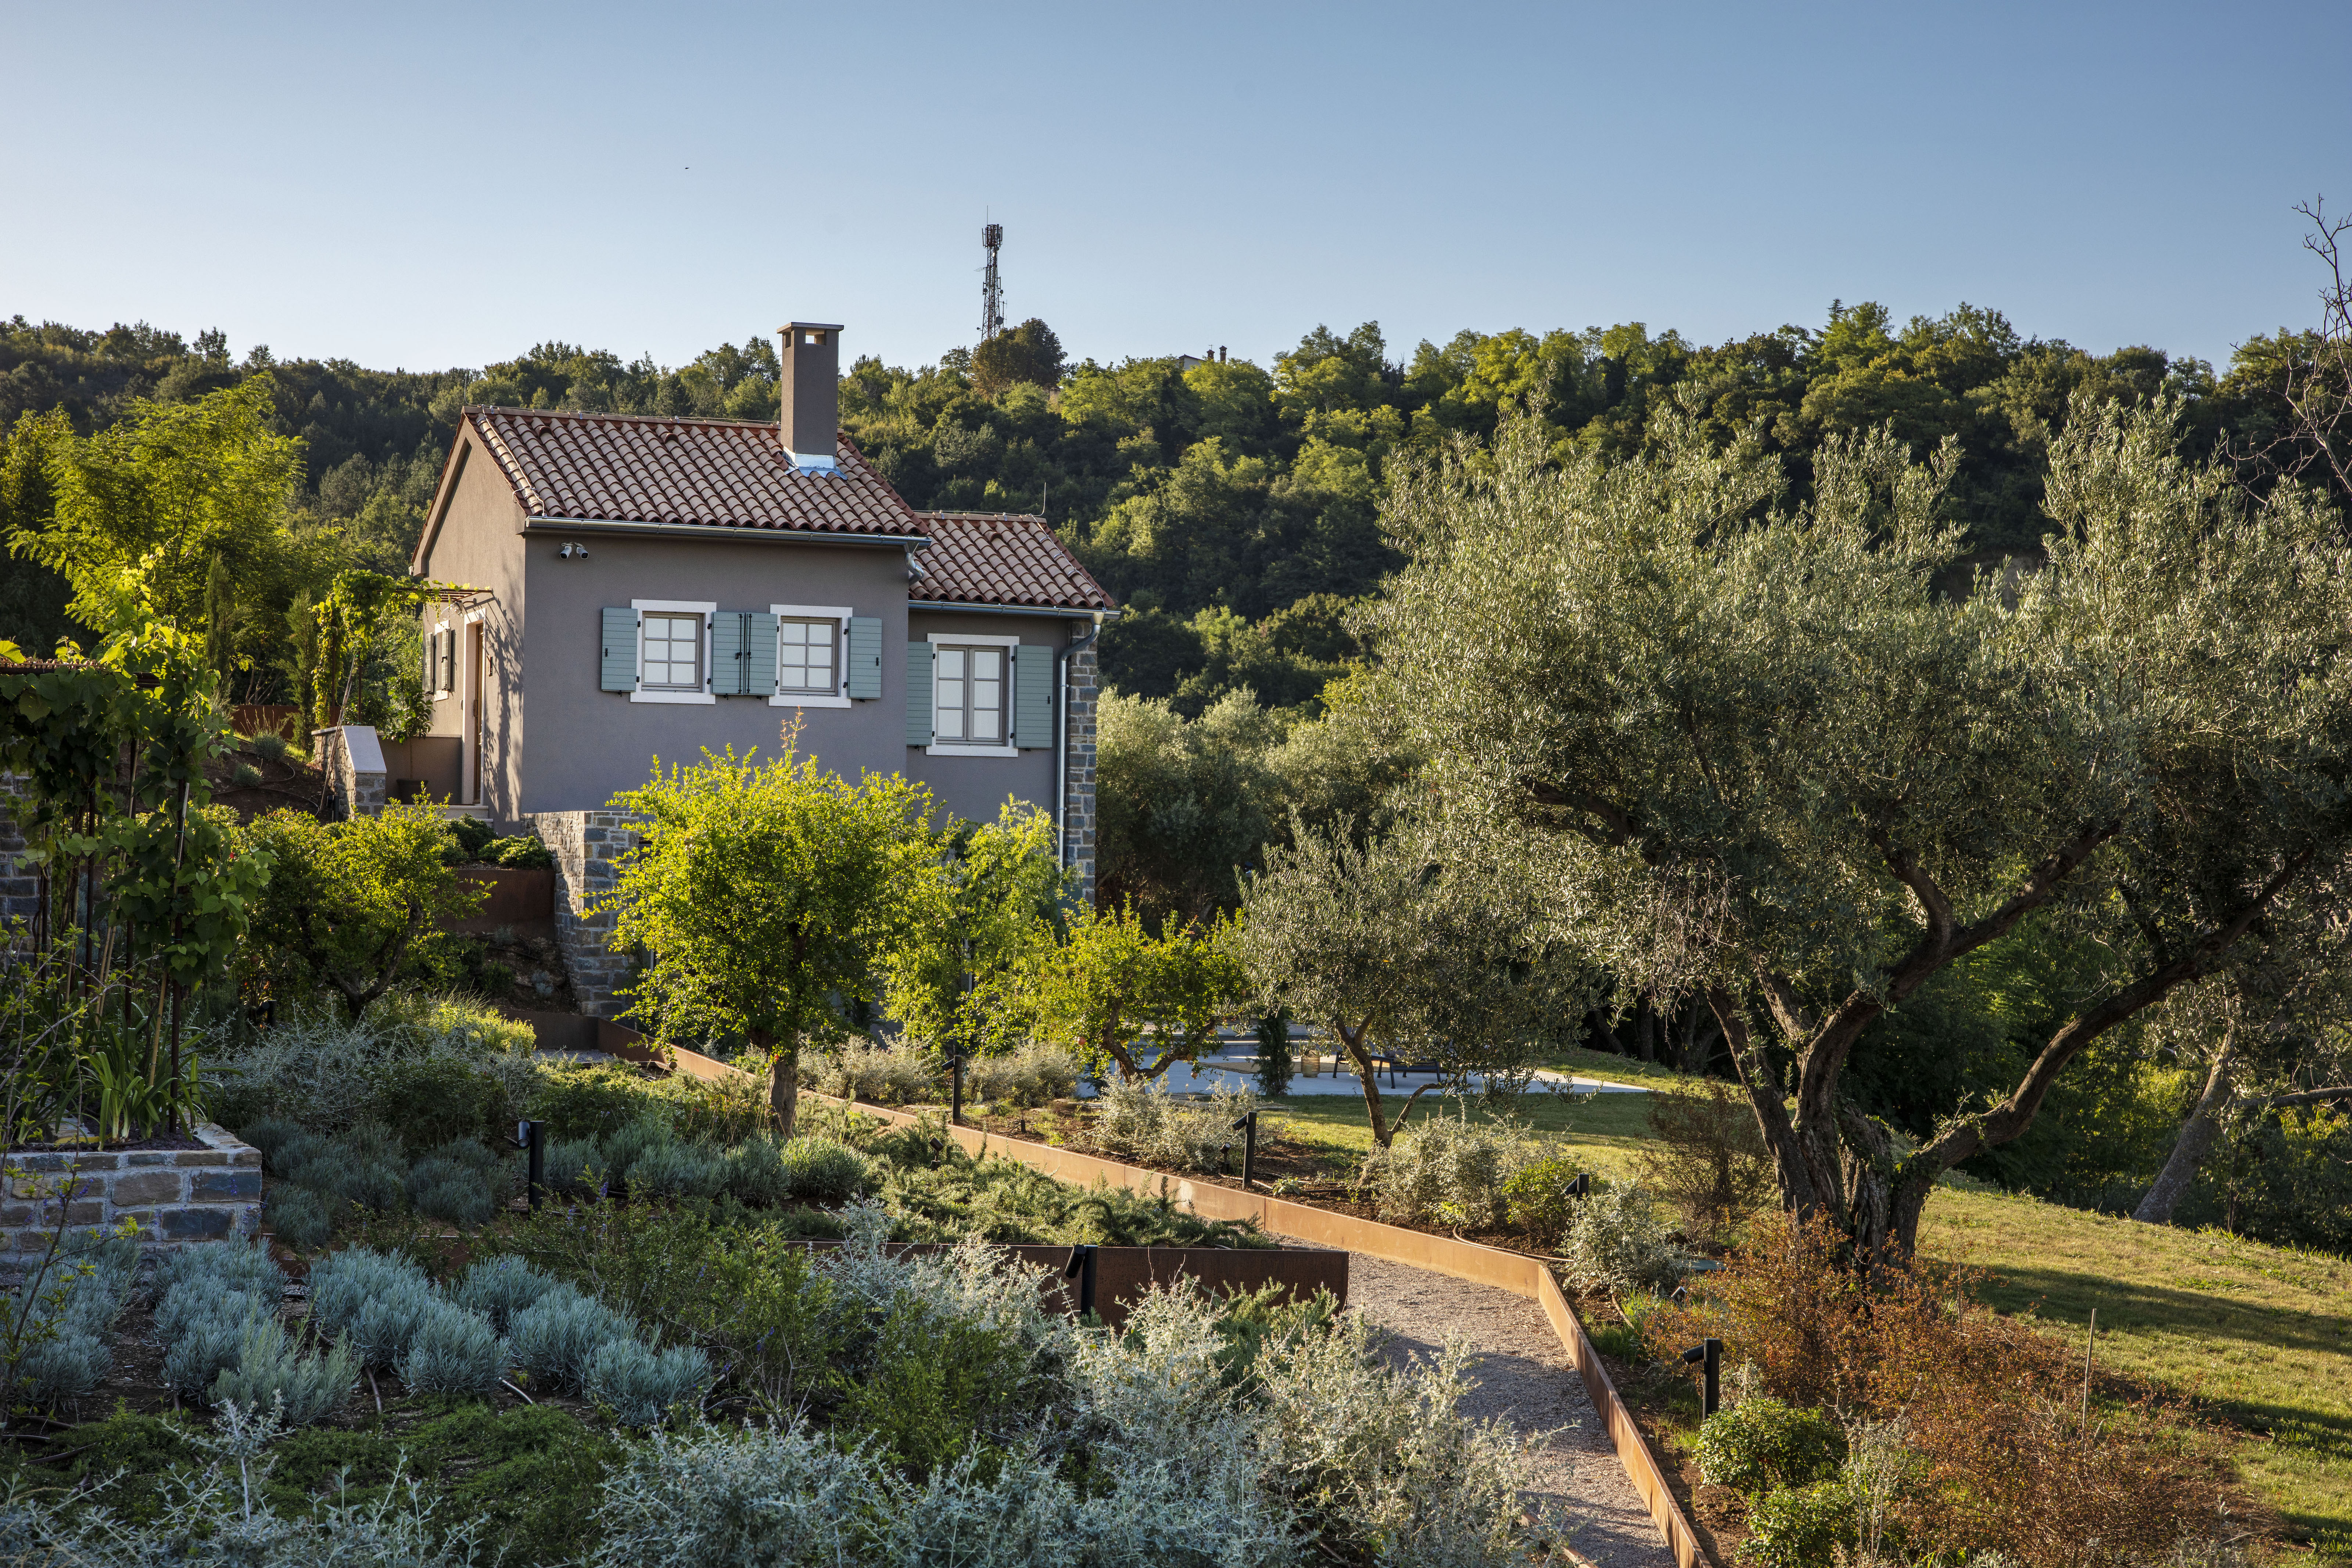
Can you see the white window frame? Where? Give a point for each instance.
(977, 639)
(436, 695)
(706, 609)
(839, 616)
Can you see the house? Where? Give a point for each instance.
(644, 588)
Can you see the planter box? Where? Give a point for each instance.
(520, 896)
(175, 1195)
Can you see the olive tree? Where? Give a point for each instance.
(1387, 943)
(1126, 997)
(1755, 753)
(764, 895)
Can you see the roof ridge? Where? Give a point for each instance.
(615, 413)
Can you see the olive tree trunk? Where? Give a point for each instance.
(2198, 1136)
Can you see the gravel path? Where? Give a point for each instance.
(1524, 1376)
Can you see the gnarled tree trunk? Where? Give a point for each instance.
(2198, 1136)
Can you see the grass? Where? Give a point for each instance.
(1603, 1128)
(2260, 1335)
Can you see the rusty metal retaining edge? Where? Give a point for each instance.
(1512, 1271)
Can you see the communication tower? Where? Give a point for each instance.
(992, 292)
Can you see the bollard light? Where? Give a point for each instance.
(1246, 1125)
(1082, 1268)
(1709, 1355)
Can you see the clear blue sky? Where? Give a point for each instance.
(425, 187)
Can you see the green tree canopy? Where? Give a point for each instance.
(1757, 754)
(351, 906)
(764, 895)
(140, 510)
(1395, 946)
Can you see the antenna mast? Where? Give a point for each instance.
(992, 292)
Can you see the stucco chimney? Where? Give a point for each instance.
(811, 386)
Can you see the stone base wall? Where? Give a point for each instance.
(353, 756)
(1078, 781)
(176, 1195)
(20, 885)
(587, 847)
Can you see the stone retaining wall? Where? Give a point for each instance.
(176, 1195)
(587, 847)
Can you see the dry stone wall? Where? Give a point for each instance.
(587, 847)
(176, 1195)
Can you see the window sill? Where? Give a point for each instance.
(956, 749)
(806, 699)
(671, 697)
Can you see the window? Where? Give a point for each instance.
(673, 653)
(805, 655)
(968, 695)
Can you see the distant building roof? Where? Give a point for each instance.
(723, 473)
(1001, 558)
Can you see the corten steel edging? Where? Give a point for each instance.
(1123, 1274)
(1512, 1271)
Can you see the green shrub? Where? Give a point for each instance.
(756, 1177)
(1449, 1168)
(452, 1351)
(633, 1143)
(1615, 1239)
(300, 1216)
(471, 835)
(269, 745)
(1004, 1201)
(640, 1386)
(1762, 1443)
(523, 850)
(555, 1339)
(1801, 1527)
(271, 1367)
(431, 1100)
(820, 1171)
(1536, 1198)
(596, 1101)
(461, 1200)
(375, 1298)
(270, 1135)
(574, 1167)
(499, 1288)
(672, 1170)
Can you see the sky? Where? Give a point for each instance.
(421, 186)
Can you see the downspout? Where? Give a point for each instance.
(1062, 744)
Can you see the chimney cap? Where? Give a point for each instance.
(810, 327)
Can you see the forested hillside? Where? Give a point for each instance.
(1234, 506)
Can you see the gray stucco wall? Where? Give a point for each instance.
(477, 545)
(586, 744)
(581, 745)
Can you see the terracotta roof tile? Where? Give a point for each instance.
(995, 558)
(625, 467)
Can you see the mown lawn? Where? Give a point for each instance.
(2262, 1336)
(1605, 1126)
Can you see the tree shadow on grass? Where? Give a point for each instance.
(2057, 1296)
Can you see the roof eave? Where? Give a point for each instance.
(725, 533)
(962, 607)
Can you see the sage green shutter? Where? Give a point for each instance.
(619, 666)
(1032, 695)
(864, 666)
(758, 654)
(727, 653)
(918, 694)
